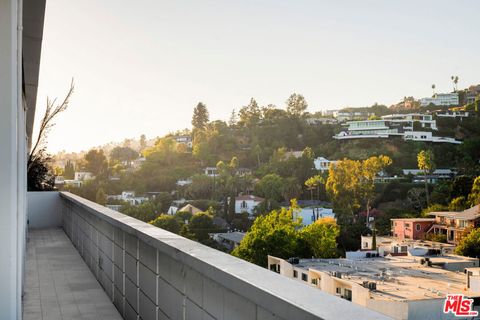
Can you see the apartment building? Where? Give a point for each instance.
(441, 99)
(455, 225)
(400, 287)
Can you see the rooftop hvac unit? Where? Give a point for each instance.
(372, 286)
(294, 260)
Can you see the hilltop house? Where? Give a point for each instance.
(441, 99)
(186, 140)
(322, 164)
(413, 126)
(211, 171)
(247, 203)
(433, 177)
(455, 225)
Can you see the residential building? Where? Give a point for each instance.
(83, 260)
(83, 176)
(441, 99)
(137, 163)
(342, 116)
(453, 114)
(320, 120)
(186, 140)
(183, 182)
(455, 225)
(311, 214)
(411, 228)
(172, 210)
(407, 126)
(189, 208)
(247, 203)
(399, 287)
(211, 171)
(229, 240)
(322, 164)
(387, 245)
(433, 177)
(293, 154)
(472, 94)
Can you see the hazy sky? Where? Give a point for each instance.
(141, 66)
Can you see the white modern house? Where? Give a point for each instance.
(453, 114)
(441, 99)
(186, 140)
(211, 171)
(247, 203)
(322, 164)
(407, 126)
(65, 257)
(83, 176)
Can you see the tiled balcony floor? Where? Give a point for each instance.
(58, 283)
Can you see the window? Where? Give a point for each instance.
(244, 204)
(295, 273)
(347, 294)
(418, 227)
(407, 225)
(339, 291)
(315, 281)
(304, 277)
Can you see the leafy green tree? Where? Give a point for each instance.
(474, 196)
(96, 162)
(200, 116)
(270, 186)
(469, 246)
(201, 225)
(457, 204)
(101, 197)
(201, 187)
(426, 164)
(167, 222)
(272, 234)
(121, 154)
(250, 115)
(69, 172)
(313, 183)
(320, 238)
(291, 189)
(296, 105)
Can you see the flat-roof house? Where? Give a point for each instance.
(247, 203)
(411, 228)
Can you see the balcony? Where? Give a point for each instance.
(115, 266)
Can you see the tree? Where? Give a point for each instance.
(39, 172)
(296, 105)
(200, 116)
(69, 171)
(96, 162)
(426, 163)
(167, 222)
(474, 196)
(251, 114)
(233, 119)
(201, 187)
(455, 83)
(320, 238)
(123, 154)
(457, 204)
(291, 189)
(313, 183)
(143, 142)
(469, 246)
(201, 225)
(270, 187)
(101, 197)
(272, 234)
(433, 90)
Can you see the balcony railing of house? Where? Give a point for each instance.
(150, 273)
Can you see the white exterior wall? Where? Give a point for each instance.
(12, 175)
(250, 206)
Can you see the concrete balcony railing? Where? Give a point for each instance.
(150, 273)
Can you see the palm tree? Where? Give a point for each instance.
(433, 90)
(426, 164)
(455, 83)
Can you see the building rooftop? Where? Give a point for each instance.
(249, 197)
(468, 214)
(397, 278)
(415, 219)
(235, 236)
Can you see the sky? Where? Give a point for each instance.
(140, 67)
